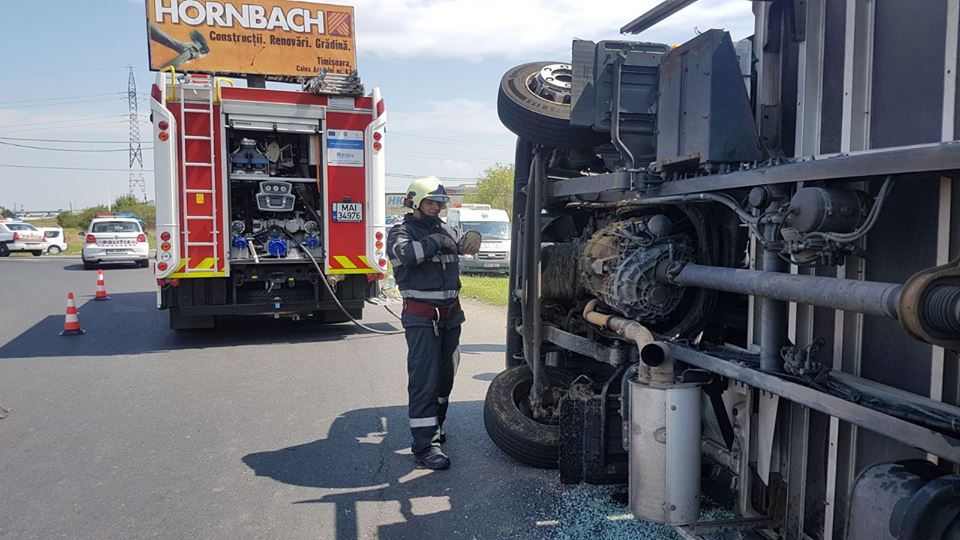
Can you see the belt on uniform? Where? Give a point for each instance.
(412, 306)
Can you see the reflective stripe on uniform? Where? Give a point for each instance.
(423, 422)
(446, 258)
(418, 251)
(429, 295)
(396, 262)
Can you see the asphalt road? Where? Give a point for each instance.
(260, 429)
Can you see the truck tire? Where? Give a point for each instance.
(37, 252)
(539, 111)
(514, 431)
(179, 321)
(4, 250)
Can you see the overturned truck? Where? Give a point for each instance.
(733, 271)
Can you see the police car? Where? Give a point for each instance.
(112, 238)
(20, 236)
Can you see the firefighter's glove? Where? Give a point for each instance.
(469, 243)
(444, 243)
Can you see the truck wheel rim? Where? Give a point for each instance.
(552, 83)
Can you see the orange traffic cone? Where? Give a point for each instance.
(71, 324)
(101, 288)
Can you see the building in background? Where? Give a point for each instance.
(394, 207)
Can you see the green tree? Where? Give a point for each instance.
(68, 220)
(124, 203)
(146, 212)
(87, 214)
(6, 212)
(494, 187)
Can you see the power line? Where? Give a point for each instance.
(78, 141)
(71, 126)
(62, 121)
(57, 72)
(445, 140)
(51, 167)
(61, 98)
(445, 156)
(64, 149)
(61, 104)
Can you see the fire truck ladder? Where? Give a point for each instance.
(196, 164)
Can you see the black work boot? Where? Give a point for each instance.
(434, 460)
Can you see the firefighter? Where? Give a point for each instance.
(424, 252)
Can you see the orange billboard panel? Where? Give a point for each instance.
(257, 37)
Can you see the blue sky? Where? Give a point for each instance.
(437, 62)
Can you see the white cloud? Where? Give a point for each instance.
(449, 118)
(456, 138)
(523, 28)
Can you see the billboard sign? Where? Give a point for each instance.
(394, 206)
(275, 38)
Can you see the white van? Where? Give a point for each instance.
(494, 226)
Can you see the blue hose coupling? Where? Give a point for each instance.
(277, 247)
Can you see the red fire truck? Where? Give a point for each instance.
(268, 201)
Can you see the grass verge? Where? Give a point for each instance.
(488, 289)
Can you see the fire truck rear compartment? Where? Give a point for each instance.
(275, 202)
(276, 223)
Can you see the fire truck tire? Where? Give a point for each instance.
(511, 428)
(179, 321)
(4, 250)
(540, 118)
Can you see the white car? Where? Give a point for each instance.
(20, 236)
(494, 226)
(54, 239)
(112, 238)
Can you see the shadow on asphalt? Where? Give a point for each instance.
(115, 266)
(359, 458)
(130, 324)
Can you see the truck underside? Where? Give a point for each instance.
(732, 273)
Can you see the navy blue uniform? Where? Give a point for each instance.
(429, 282)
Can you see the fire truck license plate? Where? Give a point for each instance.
(347, 212)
